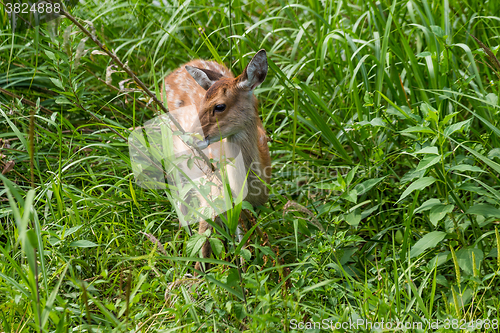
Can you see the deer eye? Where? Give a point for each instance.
(219, 108)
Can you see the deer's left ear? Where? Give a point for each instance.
(204, 77)
(255, 73)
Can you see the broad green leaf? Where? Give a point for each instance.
(464, 259)
(194, 244)
(233, 279)
(428, 241)
(472, 188)
(217, 246)
(484, 210)
(246, 254)
(428, 150)
(239, 311)
(441, 258)
(353, 218)
(57, 83)
(412, 174)
(467, 167)
(447, 119)
(418, 129)
(417, 185)
(367, 185)
(495, 152)
(341, 182)
(62, 100)
(423, 54)
(427, 205)
(455, 127)
(83, 243)
(32, 238)
(352, 196)
(329, 207)
(427, 162)
(437, 30)
(190, 163)
(51, 55)
(247, 205)
(351, 174)
(430, 112)
(492, 98)
(438, 212)
(378, 122)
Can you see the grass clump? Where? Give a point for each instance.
(384, 126)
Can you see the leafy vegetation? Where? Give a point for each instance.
(384, 126)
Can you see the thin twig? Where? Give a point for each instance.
(119, 90)
(24, 100)
(138, 82)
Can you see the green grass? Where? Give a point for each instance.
(384, 120)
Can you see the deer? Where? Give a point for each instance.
(228, 110)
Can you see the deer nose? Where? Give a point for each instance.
(204, 144)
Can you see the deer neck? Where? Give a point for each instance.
(247, 141)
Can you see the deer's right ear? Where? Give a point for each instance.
(255, 73)
(204, 77)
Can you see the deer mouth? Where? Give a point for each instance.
(204, 144)
(212, 139)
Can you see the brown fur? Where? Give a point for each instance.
(240, 122)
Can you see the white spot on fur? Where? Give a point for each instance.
(191, 85)
(262, 139)
(178, 80)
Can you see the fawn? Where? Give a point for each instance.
(227, 109)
